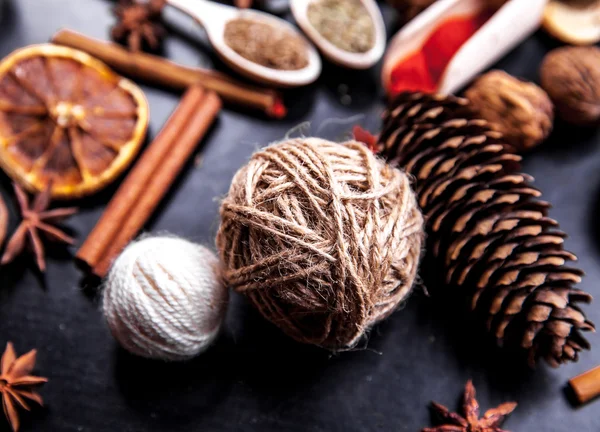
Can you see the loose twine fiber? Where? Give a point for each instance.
(164, 298)
(323, 238)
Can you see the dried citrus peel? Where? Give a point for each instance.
(66, 117)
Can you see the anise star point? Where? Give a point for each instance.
(17, 385)
(139, 23)
(36, 219)
(469, 421)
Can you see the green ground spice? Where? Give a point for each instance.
(345, 23)
(267, 45)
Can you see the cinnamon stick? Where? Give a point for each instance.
(132, 187)
(587, 385)
(149, 180)
(159, 71)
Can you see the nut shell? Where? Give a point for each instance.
(571, 77)
(521, 110)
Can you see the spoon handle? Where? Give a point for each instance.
(203, 11)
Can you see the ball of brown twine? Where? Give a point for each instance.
(323, 238)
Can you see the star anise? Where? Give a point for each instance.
(36, 218)
(139, 23)
(470, 421)
(16, 383)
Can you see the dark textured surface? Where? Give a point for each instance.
(255, 379)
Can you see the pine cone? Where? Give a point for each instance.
(488, 230)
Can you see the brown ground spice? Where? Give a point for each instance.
(345, 23)
(267, 45)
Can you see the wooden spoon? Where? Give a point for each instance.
(214, 16)
(576, 23)
(508, 27)
(333, 53)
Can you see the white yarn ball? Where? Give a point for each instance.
(164, 299)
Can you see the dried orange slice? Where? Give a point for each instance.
(66, 117)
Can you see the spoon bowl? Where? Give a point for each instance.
(214, 17)
(507, 27)
(335, 54)
(573, 23)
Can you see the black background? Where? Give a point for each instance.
(254, 378)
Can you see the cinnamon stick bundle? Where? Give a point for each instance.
(159, 71)
(149, 180)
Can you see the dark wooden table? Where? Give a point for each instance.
(254, 378)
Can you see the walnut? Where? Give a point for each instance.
(521, 110)
(571, 76)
